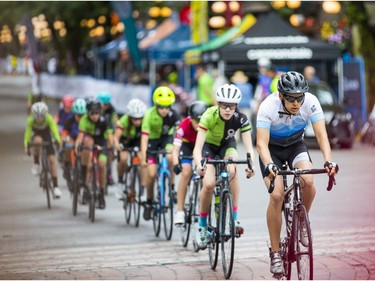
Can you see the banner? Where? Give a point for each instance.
(198, 21)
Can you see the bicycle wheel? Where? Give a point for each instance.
(167, 207)
(227, 234)
(76, 189)
(48, 188)
(156, 216)
(128, 196)
(213, 242)
(286, 232)
(304, 253)
(136, 195)
(92, 194)
(189, 210)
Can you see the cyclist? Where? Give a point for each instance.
(65, 111)
(158, 127)
(281, 121)
(111, 116)
(70, 132)
(94, 129)
(128, 134)
(216, 137)
(184, 142)
(41, 127)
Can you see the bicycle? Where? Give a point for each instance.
(221, 224)
(93, 178)
(191, 207)
(45, 179)
(80, 191)
(68, 171)
(291, 248)
(163, 205)
(132, 189)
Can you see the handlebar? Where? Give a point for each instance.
(299, 172)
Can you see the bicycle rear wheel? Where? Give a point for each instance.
(304, 253)
(227, 234)
(213, 242)
(76, 188)
(190, 212)
(167, 207)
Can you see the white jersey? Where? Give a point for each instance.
(287, 129)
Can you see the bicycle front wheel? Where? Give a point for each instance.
(48, 189)
(137, 196)
(213, 242)
(76, 189)
(156, 212)
(227, 234)
(93, 195)
(167, 207)
(303, 245)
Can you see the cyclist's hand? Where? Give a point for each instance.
(249, 173)
(177, 169)
(57, 144)
(201, 171)
(144, 163)
(27, 151)
(271, 170)
(331, 167)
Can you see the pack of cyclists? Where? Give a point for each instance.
(206, 131)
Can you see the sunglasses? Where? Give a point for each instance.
(163, 107)
(293, 98)
(94, 112)
(136, 119)
(224, 105)
(38, 116)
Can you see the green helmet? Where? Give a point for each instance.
(79, 106)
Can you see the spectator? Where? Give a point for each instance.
(310, 74)
(205, 82)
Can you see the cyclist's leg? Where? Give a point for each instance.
(122, 165)
(36, 139)
(86, 158)
(151, 171)
(53, 168)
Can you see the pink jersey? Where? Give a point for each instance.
(185, 133)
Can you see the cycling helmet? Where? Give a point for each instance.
(39, 109)
(79, 106)
(104, 97)
(228, 93)
(67, 100)
(93, 104)
(292, 82)
(197, 109)
(163, 96)
(136, 108)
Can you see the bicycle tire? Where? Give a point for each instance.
(93, 194)
(190, 211)
(48, 189)
(227, 234)
(76, 189)
(128, 204)
(167, 207)
(213, 242)
(303, 254)
(137, 196)
(156, 216)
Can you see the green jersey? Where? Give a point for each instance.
(129, 131)
(98, 130)
(33, 126)
(156, 126)
(219, 131)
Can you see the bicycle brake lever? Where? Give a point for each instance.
(331, 182)
(272, 186)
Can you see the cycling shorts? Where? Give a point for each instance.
(291, 154)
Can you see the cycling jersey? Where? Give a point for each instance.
(220, 132)
(109, 113)
(99, 130)
(70, 128)
(156, 126)
(129, 131)
(62, 116)
(286, 129)
(185, 133)
(32, 126)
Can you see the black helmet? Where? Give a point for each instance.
(93, 104)
(197, 109)
(292, 82)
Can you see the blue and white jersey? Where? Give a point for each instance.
(286, 129)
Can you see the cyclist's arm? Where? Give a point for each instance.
(263, 138)
(176, 153)
(28, 131)
(144, 145)
(248, 143)
(54, 128)
(322, 138)
(197, 152)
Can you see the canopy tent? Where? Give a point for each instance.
(272, 37)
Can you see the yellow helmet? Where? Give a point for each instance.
(163, 96)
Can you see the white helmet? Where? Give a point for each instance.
(39, 109)
(136, 108)
(228, 93)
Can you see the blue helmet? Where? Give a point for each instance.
(104, 97)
